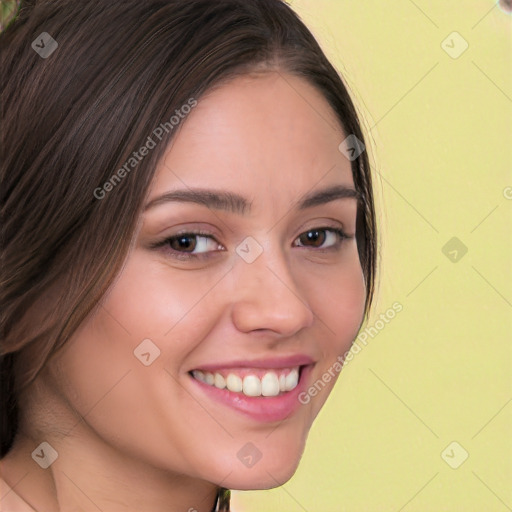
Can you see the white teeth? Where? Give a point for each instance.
(199, 375)
(234, 383)
(252, 386)
(282, 383)
(292, 380)
(219, 381)
(271, 384)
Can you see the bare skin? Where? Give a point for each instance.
(132, 437)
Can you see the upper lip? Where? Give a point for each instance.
(268, 362)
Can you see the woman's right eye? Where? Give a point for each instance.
(189, 245)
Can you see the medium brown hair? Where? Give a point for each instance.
(71, 119)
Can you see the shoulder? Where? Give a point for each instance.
(10, 501)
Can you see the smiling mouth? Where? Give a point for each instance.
(252, 382)
(264, 391)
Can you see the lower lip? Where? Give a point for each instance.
(260, 408)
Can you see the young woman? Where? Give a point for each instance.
(188, 250)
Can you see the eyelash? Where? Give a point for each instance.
(186, 256)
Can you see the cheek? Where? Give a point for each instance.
(337, 297)
(336, 294)
(149, 300)
(152, 300)
(346, 307)
(119, 397)
(146, 301)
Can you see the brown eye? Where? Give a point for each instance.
(183, 243)
(322, 238)
(315, 237)
(189, 245)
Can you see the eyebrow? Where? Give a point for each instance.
(235, 203)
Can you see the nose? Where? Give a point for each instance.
(266, 297)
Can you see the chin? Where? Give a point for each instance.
(274, 468)
(261, 478)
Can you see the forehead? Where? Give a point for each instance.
(272, 132)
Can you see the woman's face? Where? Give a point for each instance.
(268, 288)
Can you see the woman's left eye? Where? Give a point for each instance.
(322, 238)
(190, 245)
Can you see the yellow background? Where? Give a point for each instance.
(439, 130)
